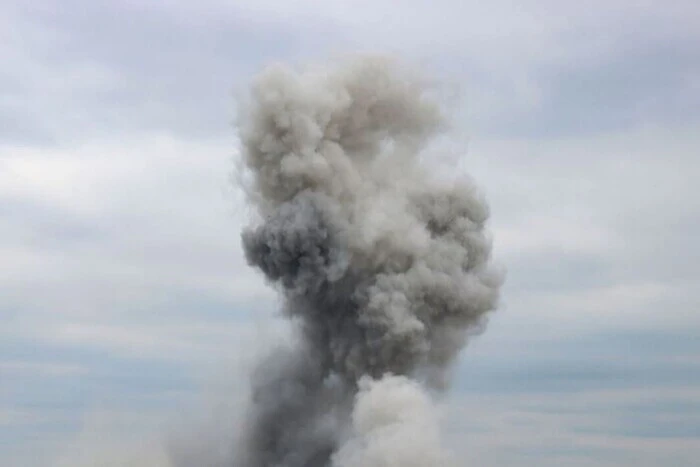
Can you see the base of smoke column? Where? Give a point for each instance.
(394, 423)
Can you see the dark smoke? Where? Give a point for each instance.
(384, 266)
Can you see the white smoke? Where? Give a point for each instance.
(394, 423)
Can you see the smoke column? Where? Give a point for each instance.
(383, 266)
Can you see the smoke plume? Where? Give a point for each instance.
(383, 265)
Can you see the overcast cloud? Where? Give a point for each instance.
(124, 292)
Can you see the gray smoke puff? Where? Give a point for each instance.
(294, 246)
(293, 423)
(384, 268)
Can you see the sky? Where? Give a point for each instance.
(127, 311)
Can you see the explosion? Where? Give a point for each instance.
(384, 266)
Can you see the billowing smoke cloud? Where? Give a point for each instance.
(383, 265)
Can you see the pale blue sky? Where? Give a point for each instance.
(124, 297)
